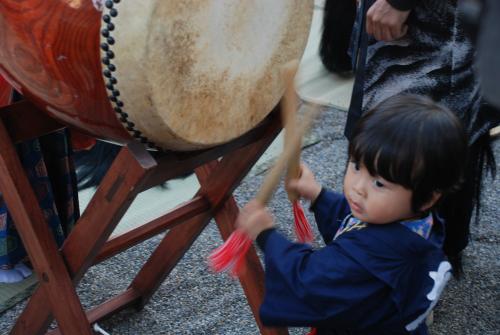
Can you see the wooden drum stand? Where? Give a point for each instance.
(134, 170)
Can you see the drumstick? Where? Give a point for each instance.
(289, 117)
(291, 150)
(303, 229)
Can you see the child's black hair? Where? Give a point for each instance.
(412, 141)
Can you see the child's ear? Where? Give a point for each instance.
(432, 201)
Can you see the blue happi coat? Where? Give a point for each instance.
(371, 279)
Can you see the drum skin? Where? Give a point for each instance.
(178, 75)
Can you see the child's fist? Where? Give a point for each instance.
(306, 185)
(253, 219)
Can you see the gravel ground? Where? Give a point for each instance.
(195, 301)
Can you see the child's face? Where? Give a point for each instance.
(374, 199)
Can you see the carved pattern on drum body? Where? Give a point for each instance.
(49, 52)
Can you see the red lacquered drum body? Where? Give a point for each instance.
(173, 74)
(5, 92)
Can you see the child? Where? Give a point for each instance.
(382, 269)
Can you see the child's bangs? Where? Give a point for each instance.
(394, 159)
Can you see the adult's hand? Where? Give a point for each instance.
(386, 23)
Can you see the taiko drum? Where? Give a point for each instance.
(178, 75)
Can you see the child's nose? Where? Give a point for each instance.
(358, 191)
(359, 187)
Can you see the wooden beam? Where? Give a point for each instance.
(16, 117)
(178, 215)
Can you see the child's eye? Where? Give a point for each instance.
(378, 183)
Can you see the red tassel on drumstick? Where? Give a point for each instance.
(230, 256)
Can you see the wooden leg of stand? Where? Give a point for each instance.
(114, 196)
(168, 253)
(116, 192)
(58, 293)
(217, 183)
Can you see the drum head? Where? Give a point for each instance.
(193, 74)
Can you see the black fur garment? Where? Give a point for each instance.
(435, 58)
(338, 19)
